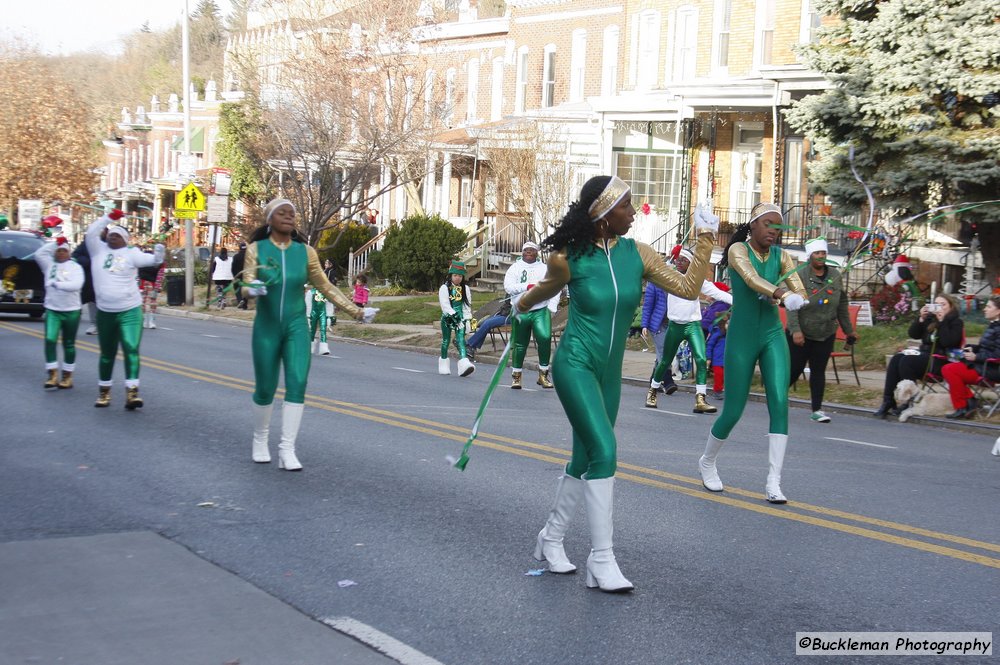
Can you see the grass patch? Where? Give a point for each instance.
(419, 310)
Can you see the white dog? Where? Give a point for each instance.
(920, 402)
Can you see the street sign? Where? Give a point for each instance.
(190, 198)
(29, 213)
(218, 209)
(221, 181)
(186, 214)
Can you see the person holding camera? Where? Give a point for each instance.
(939, 329)
(812, 330)
(959, 376)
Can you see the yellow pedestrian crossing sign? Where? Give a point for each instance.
(190, 199)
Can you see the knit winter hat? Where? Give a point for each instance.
(120, 230)
(678, 251)
(273, 205)
(816, 245)
(529, 245)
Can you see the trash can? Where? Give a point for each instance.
(175, 290)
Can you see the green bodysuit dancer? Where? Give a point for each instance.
(756, 336)
(278, 265)
(317, 321)
(604, 272)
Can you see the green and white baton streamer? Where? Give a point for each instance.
(463, 460)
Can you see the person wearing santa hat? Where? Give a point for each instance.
(762, 277)
(63, 281)
(114, 268)
(521, 276)
(812, 329)
(684, 323)
(281, 328)
(455, 299)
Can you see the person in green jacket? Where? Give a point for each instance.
(604, 272)
(812, 330)
(281, 333)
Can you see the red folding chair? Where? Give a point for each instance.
(849, 350)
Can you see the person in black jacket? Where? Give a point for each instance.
(82, 256)
(238, 259)
(940, 330)
(959, 376)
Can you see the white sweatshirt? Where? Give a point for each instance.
(680, 310)
(520, 276)
(63, 281)
(114, 271)
(223, 269)
(444, 299)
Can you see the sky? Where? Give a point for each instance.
(62, 27)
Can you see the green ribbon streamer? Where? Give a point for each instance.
(463, 460)
(271, 267)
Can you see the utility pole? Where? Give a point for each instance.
(188, 223)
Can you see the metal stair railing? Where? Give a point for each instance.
(357, 259)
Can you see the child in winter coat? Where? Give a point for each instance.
(715, 348)
(361, 291)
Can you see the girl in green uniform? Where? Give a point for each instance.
(278, 265)
(604, 272)
(455, 299)
(756, 267)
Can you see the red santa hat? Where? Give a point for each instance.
(722, 286)
(901, 262)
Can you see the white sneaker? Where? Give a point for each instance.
(819, 417)
(92, 330)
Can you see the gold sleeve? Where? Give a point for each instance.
(249, 267)
(794, 280)
(556, 277)
(317, 278)
(739, 259)
(688, 285)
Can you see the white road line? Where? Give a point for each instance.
(379, 641)
(407, 369)
(860, 443)
(215, 336)
(672, 413)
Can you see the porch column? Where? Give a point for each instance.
(444, 201)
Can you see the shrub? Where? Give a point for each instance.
(417, 252)
(336, 243)
(891, 304)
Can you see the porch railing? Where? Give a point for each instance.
(357, 259)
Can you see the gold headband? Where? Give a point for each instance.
(762, 209)
(609, 198)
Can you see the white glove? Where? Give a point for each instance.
(159, 252)
(369, 314)
(704, 220)
(256, 288)
(794, 301)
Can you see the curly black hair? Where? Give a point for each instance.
(575, 231)
(264, 231)
(741, 233)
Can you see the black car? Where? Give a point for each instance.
(22, 286)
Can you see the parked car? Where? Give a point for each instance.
(22, 286)
(201, 255)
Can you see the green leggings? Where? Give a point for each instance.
(538, 321)
(676, 332)
(114, 328)
(67, 324)
(275, 343)
(446, 330)
(590, 395)
(317, 319)
(771, 350)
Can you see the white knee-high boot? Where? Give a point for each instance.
(602, 568)
(261, 429)
(444, 366)
(549, 546)
(775, 459)
(291, 418)
(706, 465)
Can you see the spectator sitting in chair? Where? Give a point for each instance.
(501, 318)
(939, 329)
(961, 375)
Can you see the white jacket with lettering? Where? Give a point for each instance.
(680, 310)
(63, 281)
(114, 271)
(520, 276)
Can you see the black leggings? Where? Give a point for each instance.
(908, 367)
(816, 354)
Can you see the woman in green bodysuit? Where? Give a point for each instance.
(604, 272)
(756, 267)
(277, 268)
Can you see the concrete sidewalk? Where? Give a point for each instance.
(128, 598)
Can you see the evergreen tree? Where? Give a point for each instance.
(916, 90)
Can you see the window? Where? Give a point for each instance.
(794, 156)
(521, 86)
(408, 102)
(811, 22)
(577, 65)
(723, 25)
(465, 197)
(496, 83)
(429, 109)
(748, 148)
(765, 34)
(449, 98)
(609, 61)
(549, 77)
(685, 43)
(655, 178)
(472, 90)
(648, 54)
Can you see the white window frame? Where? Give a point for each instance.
(765, 20)
(609, 61)
(739, 149)
(449, 97)
(472, 90)
(810, 22)
(647, 49)
(577, 65)
(722, 27)
(496, 93)
(685, 45)
(549, 76)
(408, 102)
(429, 76)
(521, 84)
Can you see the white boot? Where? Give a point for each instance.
(996, 447)
(291, 418)
(465, 367)
(315, 347)
(444, 366)
(549, 546)
(152, 321)
(324, 349)
(261, 430)
(706, 465)
(145, 320)
(775, 459)
(602, 569)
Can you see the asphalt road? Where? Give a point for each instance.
(889, 527)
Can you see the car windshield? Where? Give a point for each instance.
(18, 246)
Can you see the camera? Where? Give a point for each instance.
(933, 307)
